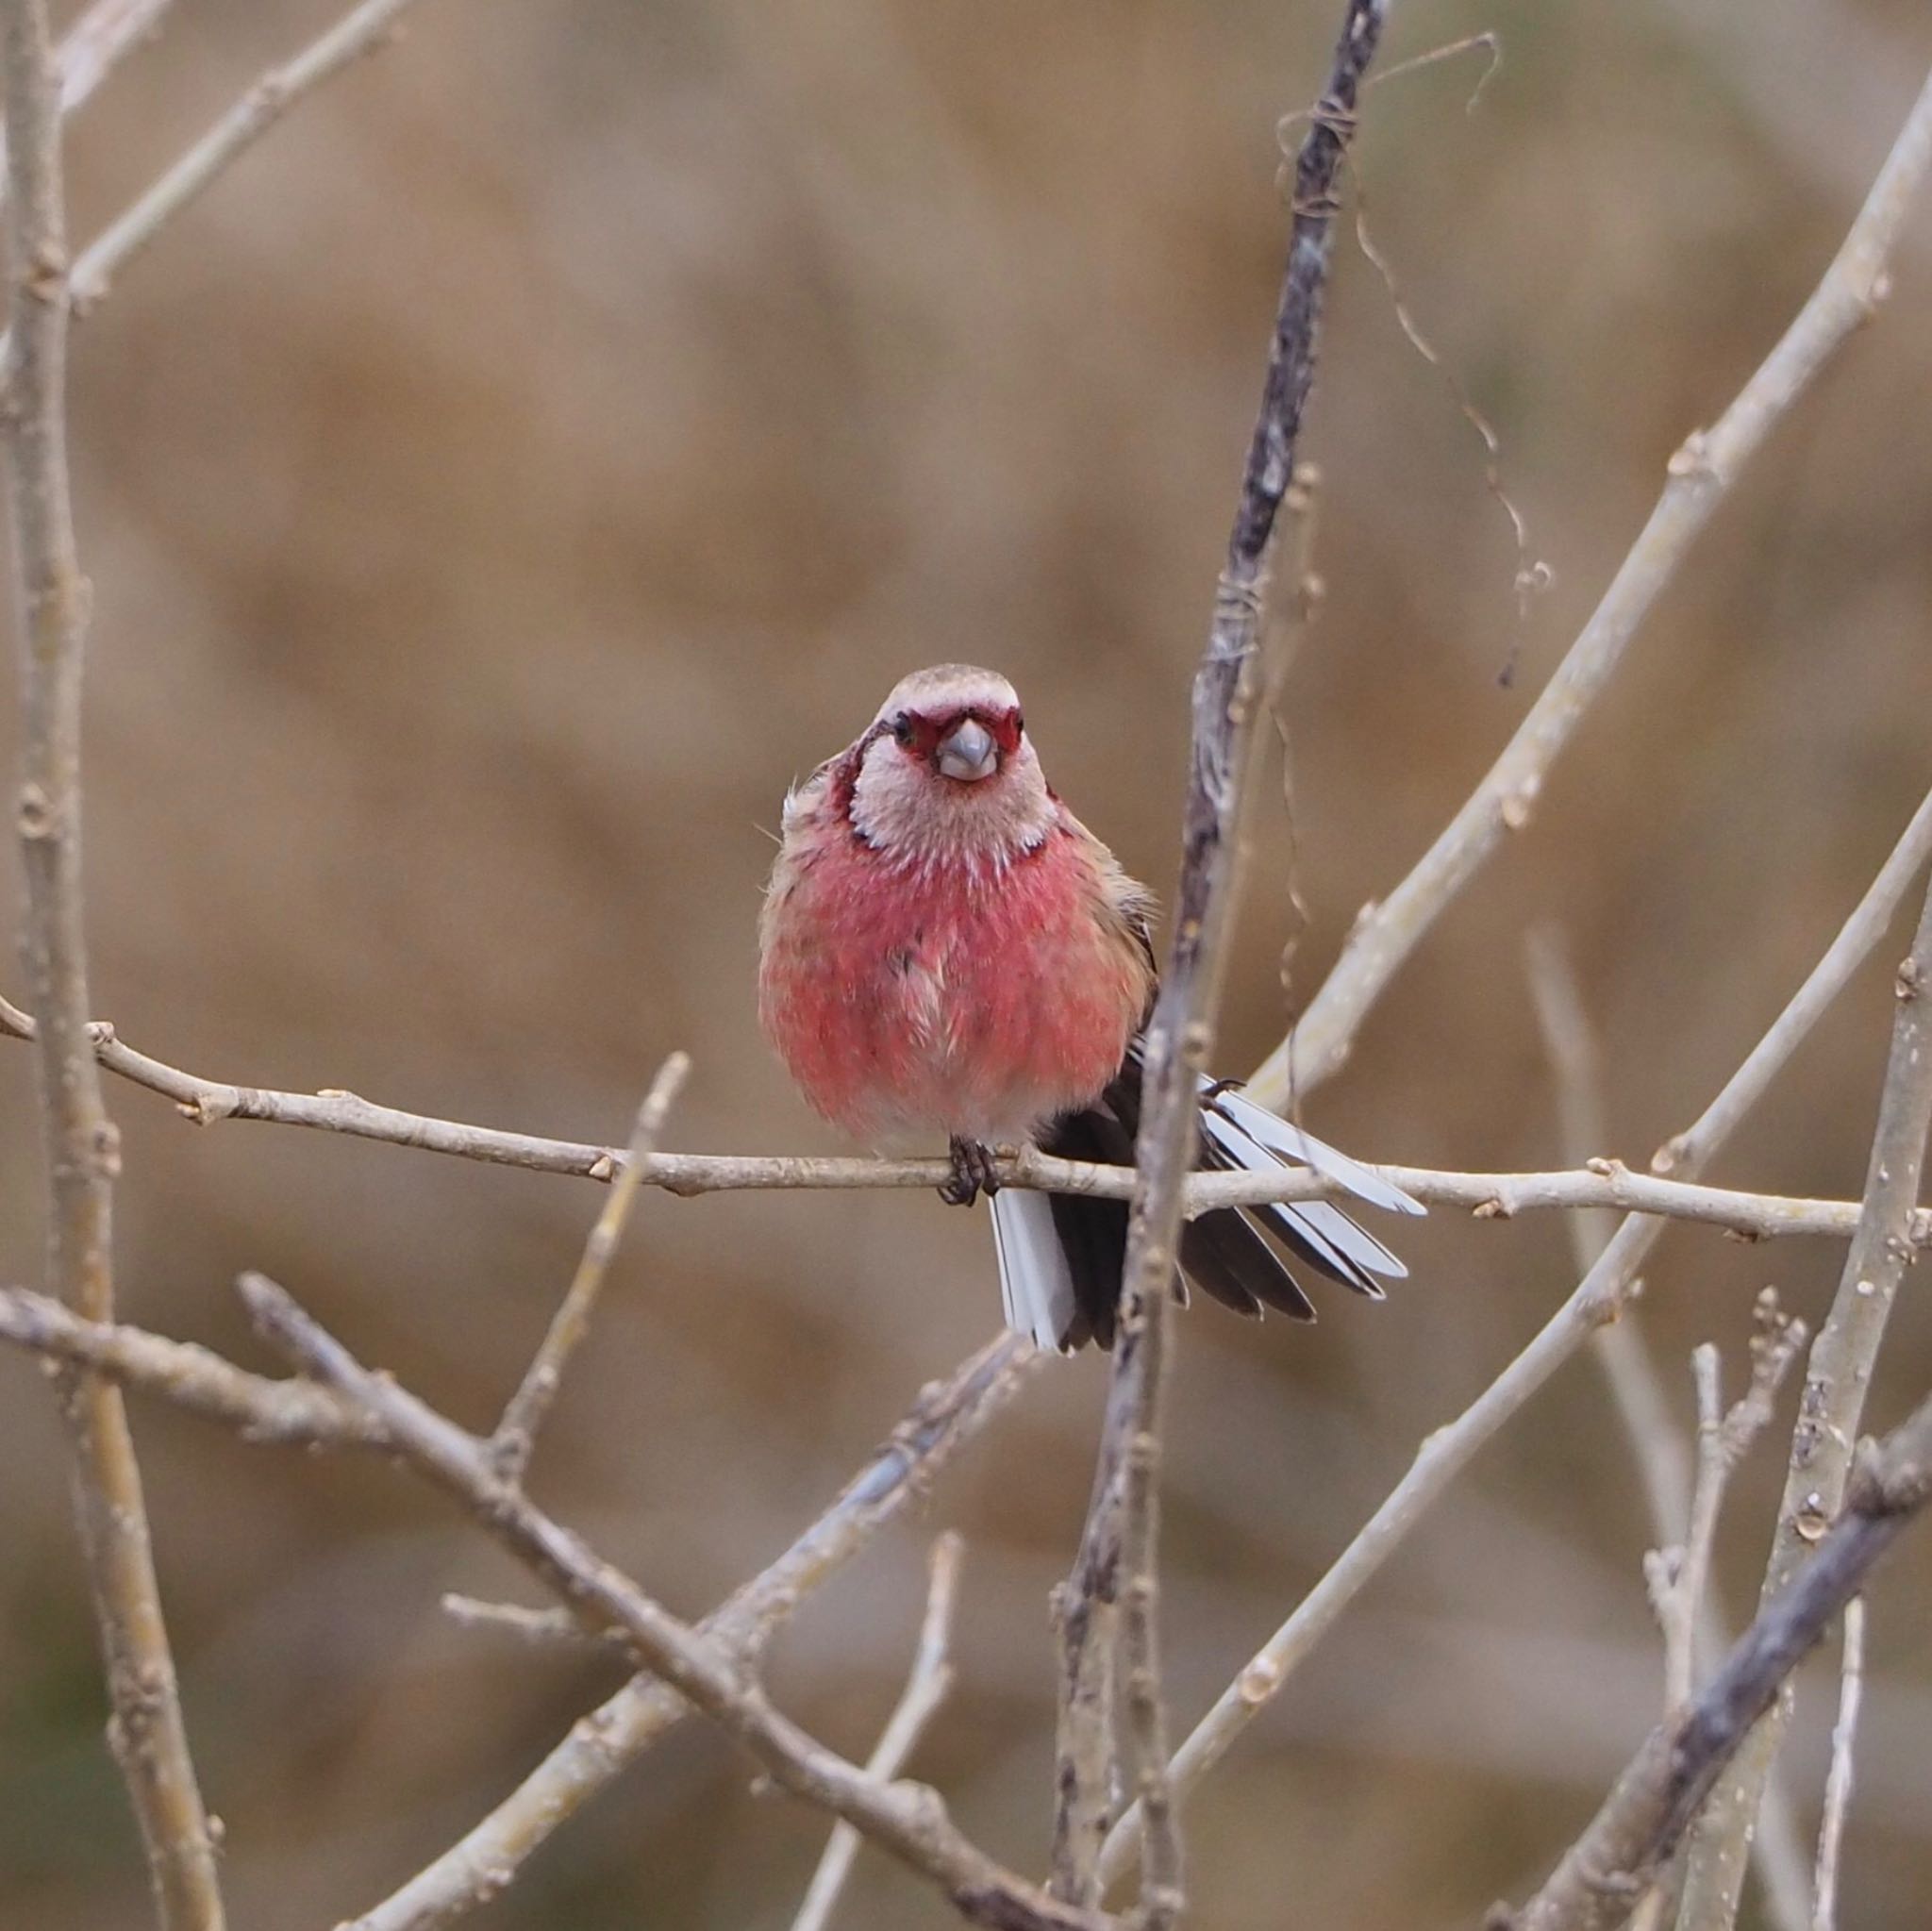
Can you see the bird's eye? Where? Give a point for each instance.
(1019, 725)
(902, 730)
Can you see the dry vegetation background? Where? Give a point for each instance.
(559, 436)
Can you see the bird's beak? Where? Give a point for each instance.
(967, 753)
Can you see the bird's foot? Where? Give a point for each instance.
(974, 1172)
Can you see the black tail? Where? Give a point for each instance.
(1070, 1297)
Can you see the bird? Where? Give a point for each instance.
(944, 948)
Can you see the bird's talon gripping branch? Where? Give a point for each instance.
(975, 1171)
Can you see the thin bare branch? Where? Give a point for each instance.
(516, 1434)
(1661, 1791)
(1700, 474)
(1602, 1294)
(1836, 1379)
(1662, 1456)
(79, 1141)
(927, 1686)
(1679, 1577)
(1837, 1782)
(195, 1378)
(540, 1629)
(1602, 1184)
(1124, 1511)
(907, 1820)
(362, 30)
(97, 44)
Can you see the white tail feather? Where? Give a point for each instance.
(1036, 1283)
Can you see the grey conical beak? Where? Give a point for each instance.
(967, 753)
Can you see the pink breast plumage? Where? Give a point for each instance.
(947, 1000)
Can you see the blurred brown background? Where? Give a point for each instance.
(556, 437)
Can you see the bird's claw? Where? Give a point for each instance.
(974, 1172)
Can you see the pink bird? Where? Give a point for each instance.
(945, 948)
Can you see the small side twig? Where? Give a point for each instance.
(195, 1378)
(1677, 1577)
(1837, 1782)
(927, 1687)
(515, 1439)
(1659, 1792)
(540, 1628)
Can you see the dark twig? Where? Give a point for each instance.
(516, 1434)
(81, 1147)
(927, 1686)
(1659, 1792)
(1839, 1372)
(1181, 1032)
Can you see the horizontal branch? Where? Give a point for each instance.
(1604, 1183)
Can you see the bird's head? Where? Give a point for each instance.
(947, 771)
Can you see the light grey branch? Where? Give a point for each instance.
(540, 1629)
(195, 1378)
(1836, 1376)
(927, 1686)
(98, 41)
(516, 1434)
(79, 1143)
(1837, 1782)
(1602, 1184)
(1700, 474)
(1602, 1294)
